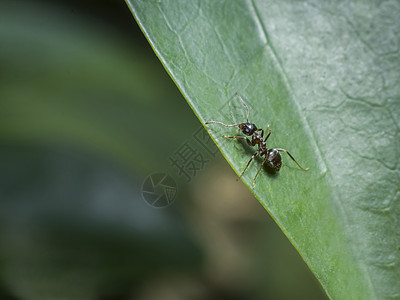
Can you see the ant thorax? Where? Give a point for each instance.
(262, 146)
(257, 139)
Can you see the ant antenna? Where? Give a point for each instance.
(216, 122)
(241, 100)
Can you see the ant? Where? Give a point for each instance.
(271, 156)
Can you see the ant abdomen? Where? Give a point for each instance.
(274, 159)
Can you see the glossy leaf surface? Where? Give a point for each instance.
(325, 77)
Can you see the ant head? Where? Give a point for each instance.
(247, 128)
(274, 159)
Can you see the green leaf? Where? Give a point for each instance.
(325, 77)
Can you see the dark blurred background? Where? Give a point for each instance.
(87, 112)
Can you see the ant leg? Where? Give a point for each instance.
(239, 138)
(262, 132)
(254, 155)
(269, 133)
(241, 100)
(284, 150)
(216, 122)
(254, 180)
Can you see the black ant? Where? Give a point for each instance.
(271, 156)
